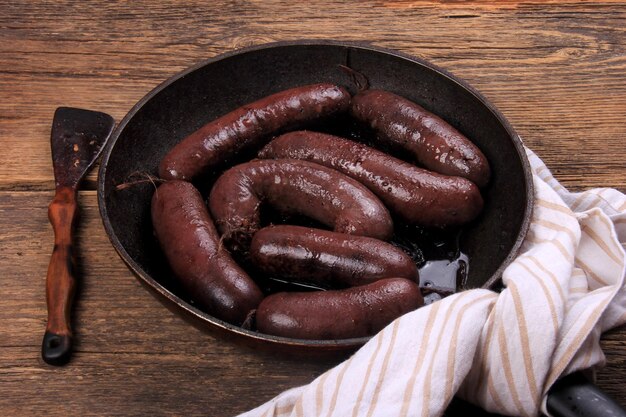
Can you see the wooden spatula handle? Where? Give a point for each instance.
(60, 281)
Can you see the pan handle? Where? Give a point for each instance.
(575, 396)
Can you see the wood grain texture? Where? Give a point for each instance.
(553, 71)
(557, 71)
(132, 356)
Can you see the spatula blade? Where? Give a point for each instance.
(76, 141)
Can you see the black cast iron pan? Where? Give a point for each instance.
(190, 99)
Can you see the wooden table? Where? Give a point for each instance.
(557, 71)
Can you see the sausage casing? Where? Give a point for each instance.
(338, 314)
(415, 195)
(293, 186)
(432, 141)
(248, 126)
(327, 259)
(191, 245)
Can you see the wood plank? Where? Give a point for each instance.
(130, 349)
(561, 84)
(556, 69)
(133, 356)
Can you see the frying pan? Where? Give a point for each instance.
(200, 94)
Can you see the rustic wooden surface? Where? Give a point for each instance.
(557, 71)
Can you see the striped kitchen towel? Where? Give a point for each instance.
(499, 351)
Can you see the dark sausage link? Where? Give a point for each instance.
(327, 259)
(432, 142)
(249, 126)
(416, 195)
(338, 314)
(293, 186)
(191, 245)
